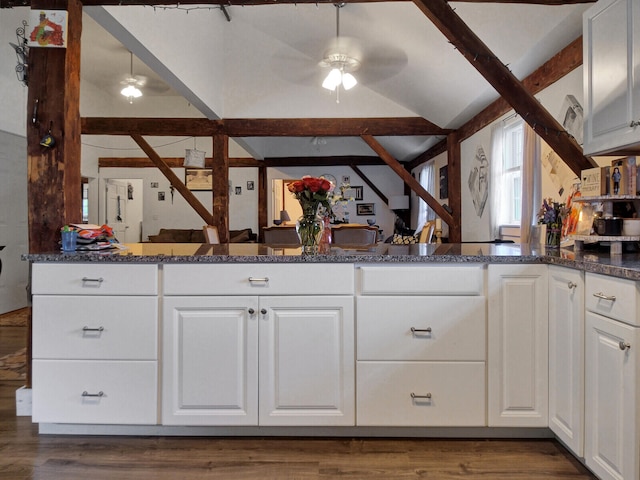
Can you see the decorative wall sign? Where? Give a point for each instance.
(444, 182)
(198, 178)
(49, 28)
(250, 185)
(355, 193)
(479, 181)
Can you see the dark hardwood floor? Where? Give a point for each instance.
(26, 455)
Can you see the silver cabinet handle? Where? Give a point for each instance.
(89, 329)
(624, 345)
(86, 394)
(426, 396)
(572, 285)
(92, 280)
(251, 311)
(260, 280)
(605, 297)
(415, 330)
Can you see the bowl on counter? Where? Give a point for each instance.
(631, 227)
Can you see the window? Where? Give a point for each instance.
(510, 180)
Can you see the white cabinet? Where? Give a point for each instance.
(259, 359)
(421, 343)
(611, 31)
(566, 356)
(95, 343)
(612, 366)
(518, 354)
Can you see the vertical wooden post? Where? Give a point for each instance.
(54, 179)
(262, 201)
(454, 186)
(221, 185)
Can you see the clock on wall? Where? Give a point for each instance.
(331, 178)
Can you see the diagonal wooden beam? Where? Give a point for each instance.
(506, 84)
(411, 182)
(372, 185)
(174, 180)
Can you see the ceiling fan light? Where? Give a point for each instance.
(333, 79)
(348, 81)
(131, 92)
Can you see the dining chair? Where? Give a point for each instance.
(354, 235)
(426, 234)
(281, 235)
(211, 234)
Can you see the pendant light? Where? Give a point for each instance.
(131, 91)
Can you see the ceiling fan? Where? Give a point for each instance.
(132, 84)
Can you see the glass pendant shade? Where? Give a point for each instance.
(333, 79)
(348, 81)
(131, 92)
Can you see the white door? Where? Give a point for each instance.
(566, 356)
(116, 208)
(307, 361)
(210, 361)
(611, 399)
(518, 341)
(14, 228)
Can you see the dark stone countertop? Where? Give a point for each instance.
(625, 266)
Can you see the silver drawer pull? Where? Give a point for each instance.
(259, 280)
(89, 329)
(624, 345)
(601, 295)
(426, 396)
(572, 285)
(87, 394)
(415, 330)
(92, 280)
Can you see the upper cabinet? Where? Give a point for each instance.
(612, 76)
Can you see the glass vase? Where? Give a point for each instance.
(553, 237)
(310, 227)
(325, 238)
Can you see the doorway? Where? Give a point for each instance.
(284, 200)
(123, 208)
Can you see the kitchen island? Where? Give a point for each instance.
(429, 340)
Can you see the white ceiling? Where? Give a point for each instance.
(264, 63)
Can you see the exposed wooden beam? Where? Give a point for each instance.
(262, 127)
(506, 84)
(262, 201)
(371, 185)
(411, 182)
(173, 162)
(347, 160)
(174, 180)
(454, 187)
(221, 186)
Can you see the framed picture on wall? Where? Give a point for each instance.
(354, 192)
(198, 178)
(444, 182)
(366, 209)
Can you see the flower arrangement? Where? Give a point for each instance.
(552, 215)
(314, 194)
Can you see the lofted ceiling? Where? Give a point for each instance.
(264, 63)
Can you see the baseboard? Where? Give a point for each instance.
(23, 402)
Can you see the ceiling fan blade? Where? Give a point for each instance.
(381, 62)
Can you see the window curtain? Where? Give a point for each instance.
(531, 182)
(496, 162)
(427, 179)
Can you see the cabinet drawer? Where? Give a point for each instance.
(421, 280)
(90, 327)
(612, 297)
(445, 328)
(258, 279)
(457, 394)
(129, 392)
(94, 279)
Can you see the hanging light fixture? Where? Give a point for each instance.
(340, 63)
(131, 91)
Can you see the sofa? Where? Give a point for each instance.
(188, 235)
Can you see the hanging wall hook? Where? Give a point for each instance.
(34, 116)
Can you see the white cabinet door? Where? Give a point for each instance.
(210, 361)
(307, 361)
(611, 398)
(612, 86)
(566, 356)
(518, 355)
